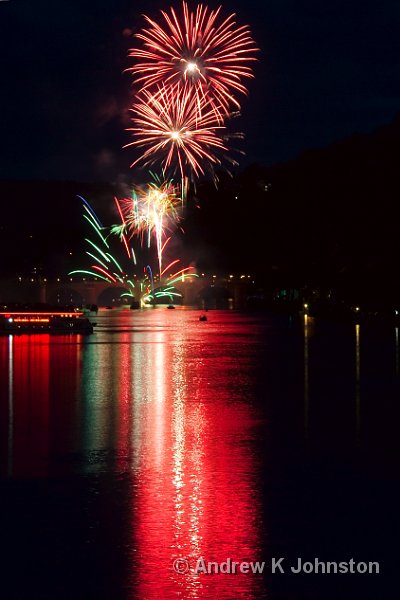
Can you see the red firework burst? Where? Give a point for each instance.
(176, 128)
(201, 49)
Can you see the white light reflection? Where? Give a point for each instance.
(139, 368)
(10, 405)
(306, 377)
(188, 456)
(100, 364)
(159, 397)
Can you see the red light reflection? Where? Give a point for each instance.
(195, 493)
(39, 374)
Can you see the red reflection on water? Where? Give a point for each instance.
(28, 385)
(195, 492)
(166, 404)
(6, 404)
(38, 372)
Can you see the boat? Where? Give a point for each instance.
(171, 306)
(19, 322)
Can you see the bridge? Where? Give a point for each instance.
(205, 290)
(101, 293)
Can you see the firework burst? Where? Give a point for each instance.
(176, 128)
(159, 201)
(200, 49)
(150, 212)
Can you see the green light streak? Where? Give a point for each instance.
(97, 230)
(93, 220)
(185, 276)
(166, 293)
(91, 273)
(98, 249)
(97, 259)
(118, 230)
(113, 259)
(118, 277)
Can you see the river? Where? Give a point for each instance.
(129, 455)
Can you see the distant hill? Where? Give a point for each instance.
(327, 217)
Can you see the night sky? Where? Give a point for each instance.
(326, 70)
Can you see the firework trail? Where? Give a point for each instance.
(199, 49)
(140, 284)
(105, 262)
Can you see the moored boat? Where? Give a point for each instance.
(61, 322)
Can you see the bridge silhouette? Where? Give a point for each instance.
(204, 290)
(101, 293)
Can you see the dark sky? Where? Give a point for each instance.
(328, 68)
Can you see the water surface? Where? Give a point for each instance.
(161, 437)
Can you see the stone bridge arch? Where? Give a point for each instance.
(111, 296)
(216, 296)
(64, 295)
(82, 292)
